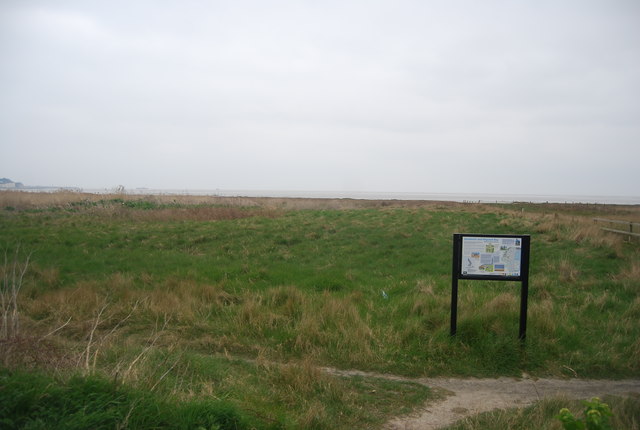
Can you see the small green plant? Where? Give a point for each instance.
(596, 416)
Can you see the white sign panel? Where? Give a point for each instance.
(491, 256)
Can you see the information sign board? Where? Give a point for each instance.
(491, 256)
(496, 257)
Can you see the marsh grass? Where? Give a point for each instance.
(169, 298)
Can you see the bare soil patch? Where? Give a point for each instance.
(463, 397)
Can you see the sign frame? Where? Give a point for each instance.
(522, 277)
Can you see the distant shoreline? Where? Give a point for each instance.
(359, 195)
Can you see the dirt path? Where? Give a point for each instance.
(466, 397)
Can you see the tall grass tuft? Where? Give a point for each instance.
(567, 270)
(11, 280)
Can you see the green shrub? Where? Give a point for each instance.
(596, 417)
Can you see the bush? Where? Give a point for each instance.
(596, 416)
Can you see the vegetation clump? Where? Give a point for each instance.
(596, 417)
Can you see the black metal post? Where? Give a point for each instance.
(524, 291)
(524, 297)
(454, 284)
(454, 306)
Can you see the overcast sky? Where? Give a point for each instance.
(518, 96)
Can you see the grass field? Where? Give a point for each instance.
(241, 300)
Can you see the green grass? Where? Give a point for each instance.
(36, 401)
(201, 391)
(224, 285)
(543, 415)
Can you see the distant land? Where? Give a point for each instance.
(8, 184)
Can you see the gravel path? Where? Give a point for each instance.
(466, 397)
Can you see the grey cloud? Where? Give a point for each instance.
(389, 96)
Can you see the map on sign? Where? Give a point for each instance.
(491, 256)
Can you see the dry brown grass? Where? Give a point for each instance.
(92, 318)
(37, 200)
(26, 200)
(55, 307)
(542, 285)
(36, 353)
(184, 303)
(299, 386)
(256, 316)
(426, 286)
(541, 315)
(34, 200)
(580, 229)
(90, 315)
(428, 304)
(195, 213)
(567, 271)
(502, 303)
(45, 276)
(630, 272)
(180, 208)
(335, 322)
(633, 311)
